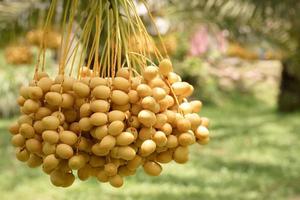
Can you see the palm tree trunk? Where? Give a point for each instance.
(289, 96)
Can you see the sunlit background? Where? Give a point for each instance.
(242, 56)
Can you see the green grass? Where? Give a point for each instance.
(254, 154)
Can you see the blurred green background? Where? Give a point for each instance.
(242, 56)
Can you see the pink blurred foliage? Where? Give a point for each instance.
(203, 40)
(199, 41)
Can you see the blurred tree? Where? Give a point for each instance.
(17, 17)
(276, 21)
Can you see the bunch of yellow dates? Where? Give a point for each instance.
(107, 127)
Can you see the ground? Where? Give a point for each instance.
(254, 154)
